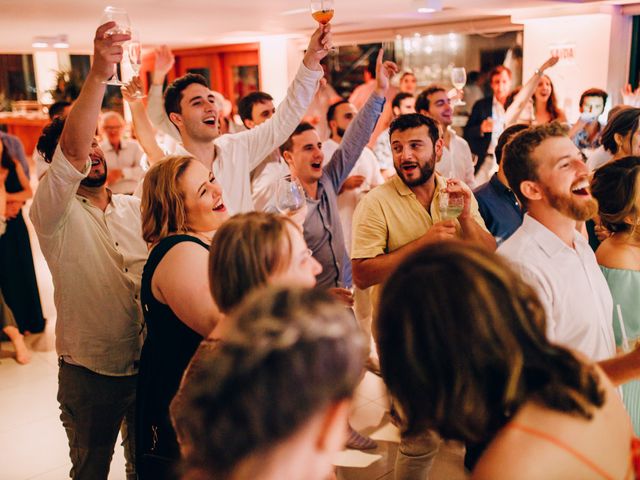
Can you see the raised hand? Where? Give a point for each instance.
(319, 45)
(107, 51)
(384, 72)
(130, 90)
(163, 63)
(630, 97)
(549, 63)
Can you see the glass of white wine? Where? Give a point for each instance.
(122, 26)
(134, 50)
(290, 195)
(450, 205)
(459, 80)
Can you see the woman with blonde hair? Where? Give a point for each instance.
(463, 351)
(616, 187)
(182, 208)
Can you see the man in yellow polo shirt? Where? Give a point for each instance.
(402, 216)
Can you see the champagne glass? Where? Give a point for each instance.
(450, 206)
(322, 12)
(134, 50)
(290, 195)
(122, 26)
(458, 79)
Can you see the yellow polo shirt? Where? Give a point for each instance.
(390, 216)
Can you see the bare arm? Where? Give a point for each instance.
(79, 129)
(155, 107)
(181, 281)
(623, 368)
(520, 101)
(141, 122)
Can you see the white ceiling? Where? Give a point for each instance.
(180, 23)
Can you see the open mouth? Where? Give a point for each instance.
(211, 121)
(219, 207)
(581, 188)
(316, 165)
(409, 167)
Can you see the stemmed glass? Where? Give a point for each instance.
(122, 26)
(459, 79)
(322, 12)
(290, 195)
(134, 49)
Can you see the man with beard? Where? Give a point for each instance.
(547, 173)
(400, 217)
(93, 245)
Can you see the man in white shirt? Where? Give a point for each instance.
(546, 172)
(191, 106)
(456, 161)
(123, 155)
(255, 109)
(93, 245)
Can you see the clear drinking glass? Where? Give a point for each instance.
(134, 51)
(450, 206)
(123, 26)
(458, 79)
(289, 195)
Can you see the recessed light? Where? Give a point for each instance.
(39, 44)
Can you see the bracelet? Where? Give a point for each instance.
(537, 72)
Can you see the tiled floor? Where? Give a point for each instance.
(33, 444)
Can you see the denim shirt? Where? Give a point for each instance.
(499, 208)
(322, 228)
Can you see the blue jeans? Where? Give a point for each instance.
(93, 409)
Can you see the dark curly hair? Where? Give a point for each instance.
(49, 138)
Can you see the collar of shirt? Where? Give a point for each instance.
(499, 186)
(403, 190)
(549, 242)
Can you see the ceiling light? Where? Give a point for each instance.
(428, 6)
(55, 41)
(38, 44)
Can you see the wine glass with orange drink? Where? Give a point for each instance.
(322, 12)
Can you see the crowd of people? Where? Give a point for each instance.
(496, 270)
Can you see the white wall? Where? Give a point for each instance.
(601, 45)
(274, 67)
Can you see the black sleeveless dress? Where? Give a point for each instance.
(17, 274)
(166, 352)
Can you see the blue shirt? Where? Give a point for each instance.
(499, 208)
(15, 149)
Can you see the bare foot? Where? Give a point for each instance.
(23, 355)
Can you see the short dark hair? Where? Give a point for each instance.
(246, 103)
(422, 100)
(519, 165)
(286, 356)
(415, 120)
(288, 145)
(461, 369)
(498, 70)
(594, 92)
(56, 109)
(173, 93)
(507, 135)
(395, 103)
(331, 113)
(49, 138)
(624, 122)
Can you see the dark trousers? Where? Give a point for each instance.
(93, 409)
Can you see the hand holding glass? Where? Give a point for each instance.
(322, 12)
(122, 26)
(450, 205)
(134, 49)
(458, 79)
(290, 195)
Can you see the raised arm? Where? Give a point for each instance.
(141, 123)
(357, 135)
(155, 106)
(520, 101)
(80, 126)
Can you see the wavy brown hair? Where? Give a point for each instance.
(245, 251)
(162, 207)
(552, 103)
(462, 346)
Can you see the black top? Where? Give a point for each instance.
(478, 141)
(166, 352)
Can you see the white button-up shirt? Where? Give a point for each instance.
(573, 291)
(457, 161)
(128, 159)
(96, 260)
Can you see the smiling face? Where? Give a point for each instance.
(501, 85)
(204, 208)
(440, 108)
(199, 115)
(302, 268)
(305, 158)
(98, 174)
(414, 155)
(563, 179)
(544, 89)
